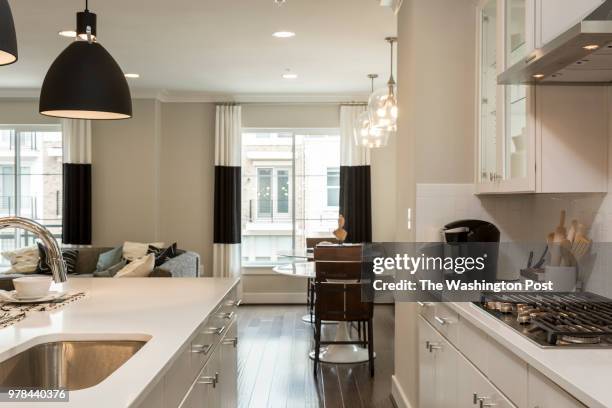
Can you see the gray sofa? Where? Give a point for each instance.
(185, 265)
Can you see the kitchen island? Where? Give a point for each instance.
(186, 324)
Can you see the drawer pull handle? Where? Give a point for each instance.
(233, 342)
(434, 346)
(208, 381)
(227, 316)
(487, 404)
(215, 330)
(441, 320)
(201, 348)
(234, 302)
(424, 304)
(427, 343)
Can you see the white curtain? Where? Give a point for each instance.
(350, 153)
(226, 252)
(77, 141)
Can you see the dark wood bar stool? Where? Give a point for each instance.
(311, 244)
(339, 297)
(343, 302)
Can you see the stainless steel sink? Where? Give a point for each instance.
(71, 365)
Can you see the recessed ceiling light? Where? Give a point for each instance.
(538, 76)
(284, 34)
(289, 75)
(132, 75)
(591, 47)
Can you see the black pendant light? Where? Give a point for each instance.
(8, 38)
(85, 82)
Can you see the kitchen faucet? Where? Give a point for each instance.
(54, 254)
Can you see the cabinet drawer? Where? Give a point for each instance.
(178, 379)
(445, 320)
(508, 373)
(473, 387)
(543, 393)
(474, 344)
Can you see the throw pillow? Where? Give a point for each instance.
(110, 258)
(135, 250)
(162, 254)
(139, 268)
(23, 260)
(112, 271)
(70, 257)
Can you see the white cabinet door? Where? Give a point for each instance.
(228, 378)
(543, 393)
(427, 371)
(556, 16)
(473, 387)
(446, 358)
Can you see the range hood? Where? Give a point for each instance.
(580, 56)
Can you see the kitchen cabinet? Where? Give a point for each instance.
(473, 370)
(506, 130)
(534, 139)
(475, 390)
(553, 17)
(204, 373)
(543, 393)
(437, 369)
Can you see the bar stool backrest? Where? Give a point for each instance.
(338, 263)
(341, 302)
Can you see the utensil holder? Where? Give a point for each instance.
(564, 278)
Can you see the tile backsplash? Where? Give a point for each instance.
(523, 219)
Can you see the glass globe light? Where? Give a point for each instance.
(368, 136)
(382, 108)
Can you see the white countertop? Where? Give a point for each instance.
(583, 373)
(166, 310)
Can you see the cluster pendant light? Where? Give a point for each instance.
(85, 82)
(382, 104)
(8, 38)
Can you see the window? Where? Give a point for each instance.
(333, 187)
(30, 180)
(290, 189)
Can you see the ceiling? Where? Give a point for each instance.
(217, 47)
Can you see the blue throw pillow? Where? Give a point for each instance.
(112, 271)
(109, 258)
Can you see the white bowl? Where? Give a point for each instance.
(31, 287)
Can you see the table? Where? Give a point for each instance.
(296, 254)
(304, 270)
(334, 353)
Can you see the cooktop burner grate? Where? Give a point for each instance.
(578, 319)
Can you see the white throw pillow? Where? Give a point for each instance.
(140, 268)
(23, 260)
(135, 250)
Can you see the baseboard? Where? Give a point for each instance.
(298, 298)
(398, 395)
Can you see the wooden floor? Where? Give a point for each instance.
(274, 369)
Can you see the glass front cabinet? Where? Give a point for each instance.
(534, 138)
(506, 131)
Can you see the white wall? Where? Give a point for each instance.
(153, 177)
(436, 66)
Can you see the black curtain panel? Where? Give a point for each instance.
(227, 205)
(356, 203)
(76, 228)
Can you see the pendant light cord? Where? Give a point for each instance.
(391, 79)
(86, 5)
